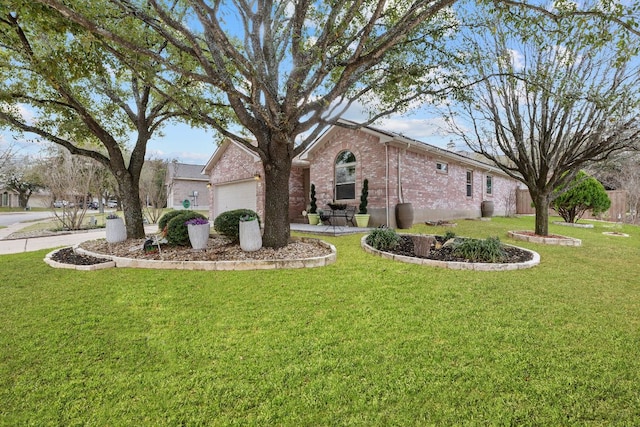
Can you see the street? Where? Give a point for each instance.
(10, 218)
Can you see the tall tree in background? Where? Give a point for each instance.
(84, 95)
(23, 177)
(6, 153)
(549, 100)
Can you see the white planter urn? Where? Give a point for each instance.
(250, 236)
(116, 231)
(199, 235)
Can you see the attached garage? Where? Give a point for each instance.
(236, 195)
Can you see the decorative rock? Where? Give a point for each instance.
(422, 245)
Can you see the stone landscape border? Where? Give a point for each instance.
(573, 224)
(240, 265)
(455, 265)
(55, 264)
(546, 240)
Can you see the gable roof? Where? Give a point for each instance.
(222, 148)
(399, 140)
(185, 171)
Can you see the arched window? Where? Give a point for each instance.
(345, 176)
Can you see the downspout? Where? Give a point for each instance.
(386, 154)
(400, 193)
(399, 178)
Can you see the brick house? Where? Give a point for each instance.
(440, 184)
(186, 182)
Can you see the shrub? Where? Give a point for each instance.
(313, 206)
(448, 235)
(383, 239)
(362, 208)
(477, 250)
(177, 231)
(228, 223)
(582, 194)
(162, 223)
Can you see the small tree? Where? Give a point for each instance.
(153, 191)
(547, 103)
(69, 178)
(583, 193)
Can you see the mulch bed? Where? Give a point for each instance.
(69, 256)
(512, 254)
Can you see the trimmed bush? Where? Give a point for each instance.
(584, 193)
(478, 250)
(162, 223)
(177, 231)
(228, 223)
(362, 209)
(313, 206)
(383, 239)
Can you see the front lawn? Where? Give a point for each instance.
(365, 341)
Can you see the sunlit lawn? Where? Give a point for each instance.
(365, 341)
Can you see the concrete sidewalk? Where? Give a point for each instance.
(31, 244)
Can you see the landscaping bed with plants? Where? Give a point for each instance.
(173, 244)
(447, 247)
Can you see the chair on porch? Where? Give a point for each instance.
(349, 214)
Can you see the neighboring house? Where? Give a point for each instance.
(186, 182)
(39, 199)
(8, 198)
(440, 184)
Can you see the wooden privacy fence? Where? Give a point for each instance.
(617, 211)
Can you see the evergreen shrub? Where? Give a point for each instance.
(228, 223)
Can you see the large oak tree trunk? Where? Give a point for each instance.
(276, 209)
(542, 202)
(130, 193)
(277, 158)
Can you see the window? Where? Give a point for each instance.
(469, 183)
(489, 187)
(442, 167)
(345, 176)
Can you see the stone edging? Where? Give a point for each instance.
(562, 241)
(92, 267)
(322, 261)
(572, 224)
(454, 265)
(615, 234)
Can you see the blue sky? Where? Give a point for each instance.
(195, 146)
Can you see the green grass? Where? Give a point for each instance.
(365, 341)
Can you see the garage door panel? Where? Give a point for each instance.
(239, 195)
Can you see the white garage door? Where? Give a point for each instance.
(239, 195)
